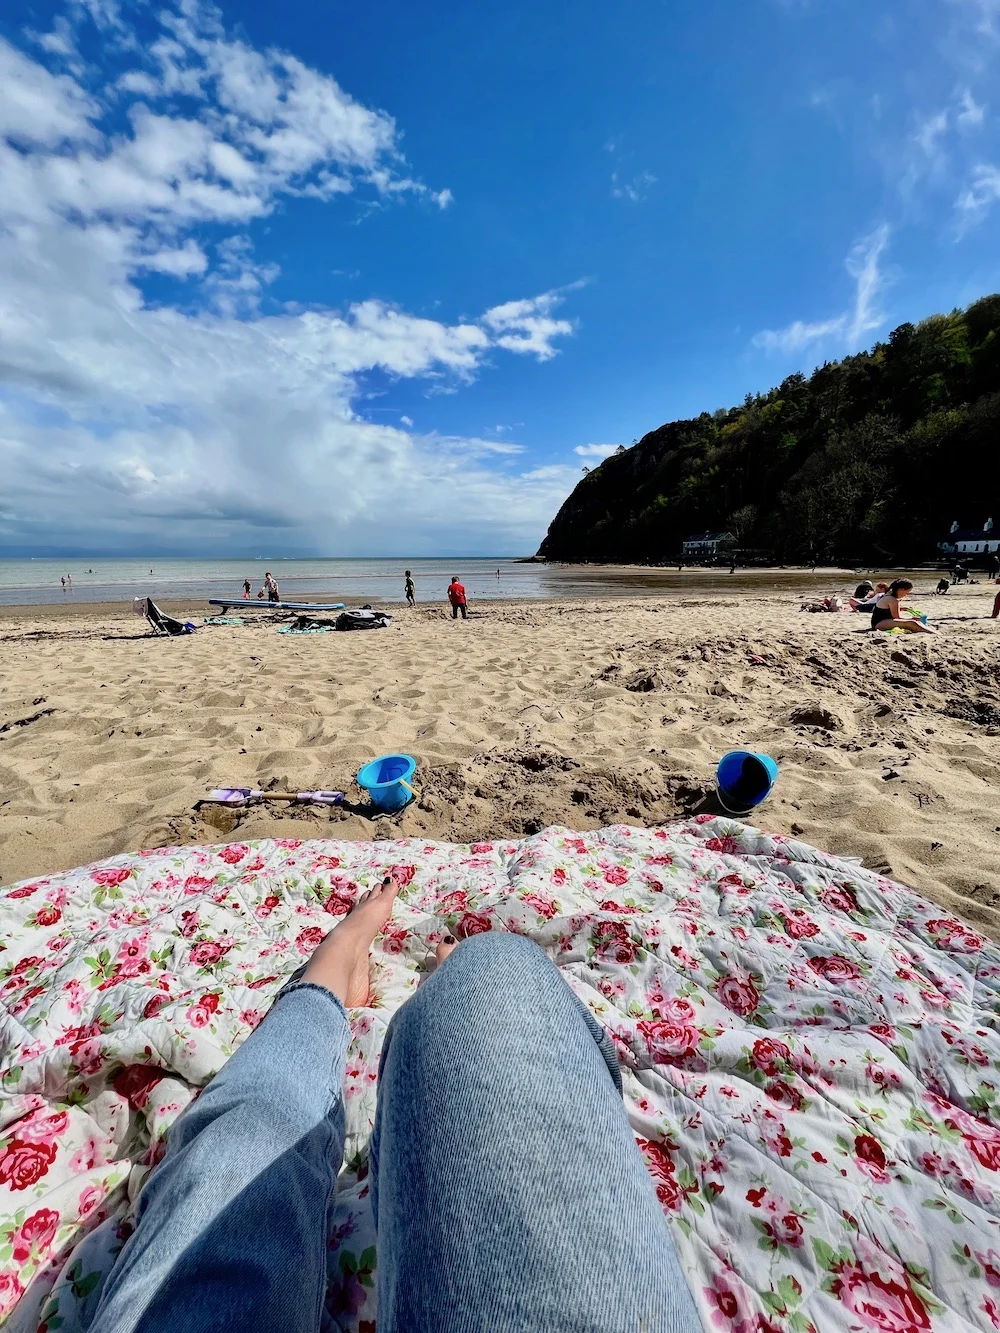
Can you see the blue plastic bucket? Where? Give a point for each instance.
(744, 779)
(383, 780)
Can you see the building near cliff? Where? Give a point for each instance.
(707, 543)
(971, 541)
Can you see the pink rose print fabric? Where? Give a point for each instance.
(809, 1052)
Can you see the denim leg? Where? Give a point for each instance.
(508, 1190)
(232, 1225)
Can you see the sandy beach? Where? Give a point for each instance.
(579, 713)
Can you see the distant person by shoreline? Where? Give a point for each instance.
(247, 586)
(409, 590)
(270, 583)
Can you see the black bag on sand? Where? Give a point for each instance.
(365, 618)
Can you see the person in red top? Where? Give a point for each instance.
(456, 595)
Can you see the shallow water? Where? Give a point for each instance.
(37, 582)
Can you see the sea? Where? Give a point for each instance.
(356, 581)
(34, 582)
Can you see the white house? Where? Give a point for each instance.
(971, 541)
(707, 543)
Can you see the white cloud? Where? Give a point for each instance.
(634, 188)
(60, 41)
(985, 15)
(553, 472)
(929, 134)
(979, 196)
(184, 261)
(850, 328)
(37, 108)
(210, 419)
(406, 421)
(970, 114)
(595, 450)
(527, 326)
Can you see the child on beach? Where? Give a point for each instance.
(887, 612)
(408, 588)
(456, 595)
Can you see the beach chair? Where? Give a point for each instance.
(160, 623)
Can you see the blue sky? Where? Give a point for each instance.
(380, 279)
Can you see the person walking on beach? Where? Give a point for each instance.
(501, 1200)
(246, 590)
(272, 588)
(411, 592)
(456, 595)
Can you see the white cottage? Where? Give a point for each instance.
(972, 541)
(707, 543)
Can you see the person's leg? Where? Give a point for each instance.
(231, 1229)
(910, 625)
(996, 607)
(454, 610)
(465, 611)
(507, 1187)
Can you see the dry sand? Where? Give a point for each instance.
(581, 713)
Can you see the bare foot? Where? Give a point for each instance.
(447, 946)
(341, 961)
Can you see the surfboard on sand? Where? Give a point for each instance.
(253, 604)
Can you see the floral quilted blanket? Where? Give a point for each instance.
(810, 1054)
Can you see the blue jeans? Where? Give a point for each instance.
(508, 1191)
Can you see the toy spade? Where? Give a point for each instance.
(245, 795)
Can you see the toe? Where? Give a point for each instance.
(363, 898)
(447, 946)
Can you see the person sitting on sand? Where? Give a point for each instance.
(501, 1199)
(408, 588)
(272, 588)
(943, 586)
(863, 591)
(456, 595)
(866, 604)
(887, 612)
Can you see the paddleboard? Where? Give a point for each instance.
(254, 605)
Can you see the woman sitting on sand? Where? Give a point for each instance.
(887, 612)
(868, 603)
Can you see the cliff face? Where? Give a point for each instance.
(872, 457)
